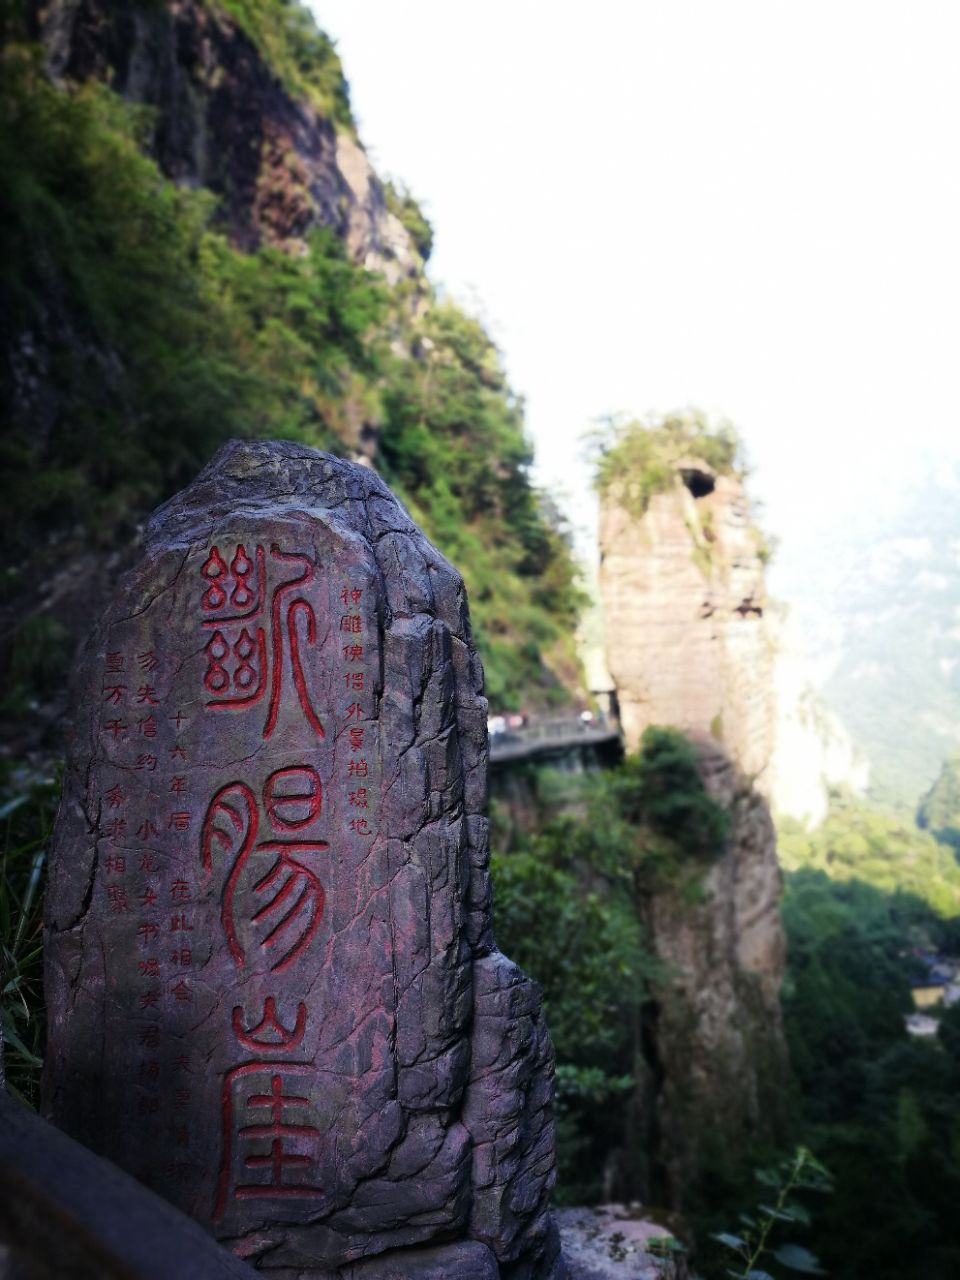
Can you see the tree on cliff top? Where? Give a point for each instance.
(643, 456)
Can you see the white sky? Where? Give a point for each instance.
(748, 206)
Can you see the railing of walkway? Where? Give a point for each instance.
(554, 731)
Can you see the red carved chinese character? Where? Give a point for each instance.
(178, 752)
(282, 1106)
(270, 1033)
(115, 864)
(150, 1070)
(358, 798)
(113, 693)
(146, 762)
(148, 862)
(178, 720)
(180, 891)
(147, 931)
(241, 601)
(114, 797)
(116, 829)
(178, 924)
(354, 711)
(353, 680)
(148, 968)
(250, 678)
(360, 826)
(150, 1036)
(149, 999)
(148, 661)
(351, 596)
(118, 897)
(147, 726)
(147, 694)
(148, 898)
(181, 1063)
(355, 737)
(353, 652)
(358, 768)
(147, 829)
(181, 1097)
(114, 663)
(182, 956)
(115, 727)
(179, 821)
(181, 992)
(351, 622)
(232, 823)
(178, 785)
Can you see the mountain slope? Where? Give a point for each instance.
(195, 247)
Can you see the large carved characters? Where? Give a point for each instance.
(268, 885)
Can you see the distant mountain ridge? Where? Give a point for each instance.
(881, 616)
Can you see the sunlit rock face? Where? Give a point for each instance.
(689, 645)
(224, 118)
(684, 601)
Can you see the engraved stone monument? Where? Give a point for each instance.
(274, 995)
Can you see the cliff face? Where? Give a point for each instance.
(683, 597)
(688, 646)
(200, 250)
(223, 119)
(715, 1034)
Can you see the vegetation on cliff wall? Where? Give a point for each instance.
(639, 457)
(136, 340)
(300, 54)
(566, 903)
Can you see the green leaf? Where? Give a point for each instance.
(731, 1242)
(780, 1215)
(797, 1258)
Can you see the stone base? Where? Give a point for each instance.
(466, 1260)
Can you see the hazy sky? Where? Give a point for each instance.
(752, 207)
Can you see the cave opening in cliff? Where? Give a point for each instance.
(700, 483)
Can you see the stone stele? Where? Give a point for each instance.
(273, 990)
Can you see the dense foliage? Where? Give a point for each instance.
(880, 848)
(453, 444)
(140, 340)
(867, 896)
(566, 909)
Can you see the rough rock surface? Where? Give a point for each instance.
(270, 972)
(717, 1025)
(612, 1242)
(689, 645)
(223, 120)
(684, 606)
